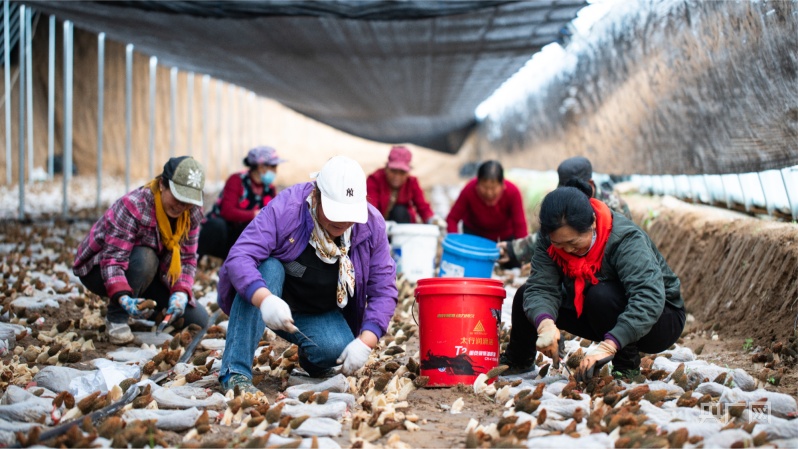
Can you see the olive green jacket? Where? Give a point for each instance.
(631, 258)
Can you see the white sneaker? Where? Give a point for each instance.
(118, 333)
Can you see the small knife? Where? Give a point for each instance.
(309, 339)
(166, 320)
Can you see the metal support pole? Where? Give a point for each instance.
(7, 76)
(726, 196)
(22, 78)
(204, 120)
(787, 191)
(693, 195)
(230, 122)
(764, 194)
(153, 80)
(190, 115)
(29, 89)
(710, 196)
(128, 110)
(219, 135)
(100, 112)
(51, 101)
(68, 51)
(250, 122)
(172, 109)
(242, 119)
(745, 197)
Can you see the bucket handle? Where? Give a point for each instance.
(413, 311)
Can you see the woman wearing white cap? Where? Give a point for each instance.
(145, 246)
(244, 195)
(315, 267)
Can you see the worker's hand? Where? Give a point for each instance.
(276, 314)
(594, 360)
(549, 341)
(137, 307)
(503, 256)
(177, 304)
(355, 355)
(437, 221)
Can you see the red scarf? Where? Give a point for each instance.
(584, 268)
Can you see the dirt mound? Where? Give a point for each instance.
(737, 272)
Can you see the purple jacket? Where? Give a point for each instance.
(282, 230)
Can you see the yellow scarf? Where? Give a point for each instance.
(170, 240)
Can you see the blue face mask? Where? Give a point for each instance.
(268, 178)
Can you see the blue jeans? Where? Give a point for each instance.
(329, 331)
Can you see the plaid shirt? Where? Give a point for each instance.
(130, 222)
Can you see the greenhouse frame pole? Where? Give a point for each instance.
(153, 81)
(219, 94)
(7, 76)
(21, 174)
(128, 110)
(764, 194)
(745, 197)
(172, 110)
(100, 112)
(29, 89)
(68, 65)
(787, 191)
(190, 115)
(204, 119)
(51, 100)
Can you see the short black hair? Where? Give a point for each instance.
(490, 171)
(575, 167)
(567, 205)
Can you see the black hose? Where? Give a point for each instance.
(95, 416)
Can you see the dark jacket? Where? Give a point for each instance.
(630, 258)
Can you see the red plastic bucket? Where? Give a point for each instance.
(459, 321)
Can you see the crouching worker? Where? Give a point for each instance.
(599, 276)
(142, 253)
(315, 267)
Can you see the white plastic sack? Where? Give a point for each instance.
(781, 405)
(334, 410)
(57, 378)
(137, 355)
(335, 384)
(320, 427)
(591, 441)
(186, 397)
(103, 379)
(175, 420)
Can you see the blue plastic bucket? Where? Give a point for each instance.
(468, 256)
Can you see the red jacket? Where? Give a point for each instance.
(241, 199)
(410, 195)
(506, 220)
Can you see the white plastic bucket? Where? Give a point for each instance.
(414, 247)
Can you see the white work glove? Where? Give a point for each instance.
(177, 304)
(355, 355)
(549, 341)
(594, 361)
(437, 221)
(136, 307)
(276, 314)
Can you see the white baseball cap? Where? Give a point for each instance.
(342, 183)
